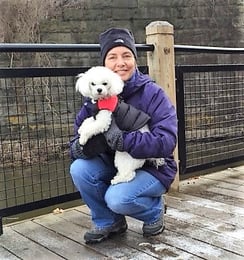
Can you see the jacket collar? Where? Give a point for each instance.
(136, 81)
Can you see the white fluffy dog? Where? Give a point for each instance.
(101, 83)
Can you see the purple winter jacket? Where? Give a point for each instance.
(142, 93)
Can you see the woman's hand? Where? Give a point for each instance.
(114, 137)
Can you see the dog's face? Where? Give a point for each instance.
(99, 82)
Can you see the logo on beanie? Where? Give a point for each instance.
(119, 40)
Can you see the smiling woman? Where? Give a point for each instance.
(118, 51)
(121, 61)
(141, 197)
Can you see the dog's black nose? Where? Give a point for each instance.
(99, 90)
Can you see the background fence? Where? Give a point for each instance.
(37, 115)
(38, 107)
(210, 108)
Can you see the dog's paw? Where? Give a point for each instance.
(83, 140)
(115, 180)
(104, 117)
(157, 162)
(123, 178)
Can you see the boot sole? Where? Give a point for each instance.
(155, 233)
(104, 237)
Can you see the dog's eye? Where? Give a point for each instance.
(105, 83)
(93, 84)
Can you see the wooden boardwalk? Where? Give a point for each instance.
(205, 220)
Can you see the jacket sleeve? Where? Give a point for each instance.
(88, 109)
(76, 151)
(94, 146)
(80, 117)
(161, 140)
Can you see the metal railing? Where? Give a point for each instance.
(42, 47)
(38, 107)
(211, 115)
(45, 47)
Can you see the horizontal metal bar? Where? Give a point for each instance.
(43, 47)
(213, 67)
(48, 71)
(53, 47)
(202, 167)
(207, 49)
(38, 204)
(40, 72)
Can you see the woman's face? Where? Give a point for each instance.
(121, 61)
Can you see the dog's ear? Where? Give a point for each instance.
(80, 75)
(82, 85)
(117, 84)
(77, 83)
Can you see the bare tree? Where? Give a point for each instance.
(20, 22)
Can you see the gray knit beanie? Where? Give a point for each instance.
(114, 37)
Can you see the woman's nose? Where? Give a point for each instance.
(120, 61)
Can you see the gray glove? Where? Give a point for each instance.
(114, 137)
(94, 146)
(77, 150)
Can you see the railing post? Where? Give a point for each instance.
(161, 64)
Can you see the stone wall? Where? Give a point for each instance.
(196, 22)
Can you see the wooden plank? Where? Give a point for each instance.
(234, 194)
(134, 239)
(23, 247)
(206, 230)
(204, 221)
(209, 182)
(205, 203)
(210, 195)
(213, 211)
(203, 188)
(240, 188)
(234, 179)
(69, 229)
(60, 245)
(5, 254)
(220, 185)
(192, 246)
(228, 247)
(232, 175)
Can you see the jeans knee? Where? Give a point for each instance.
(77, 171)
(73, 169)
(115, 202)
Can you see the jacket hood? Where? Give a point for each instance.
(134, 83)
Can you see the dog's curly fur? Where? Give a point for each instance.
(98, 83)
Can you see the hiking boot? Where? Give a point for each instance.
(153, 229)
(97, 235)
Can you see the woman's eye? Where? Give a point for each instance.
(111, 57)
(127, 56)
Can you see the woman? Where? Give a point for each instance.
(92, 171)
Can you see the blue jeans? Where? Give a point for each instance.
(140, 198)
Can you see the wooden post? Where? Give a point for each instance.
(161, 64)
